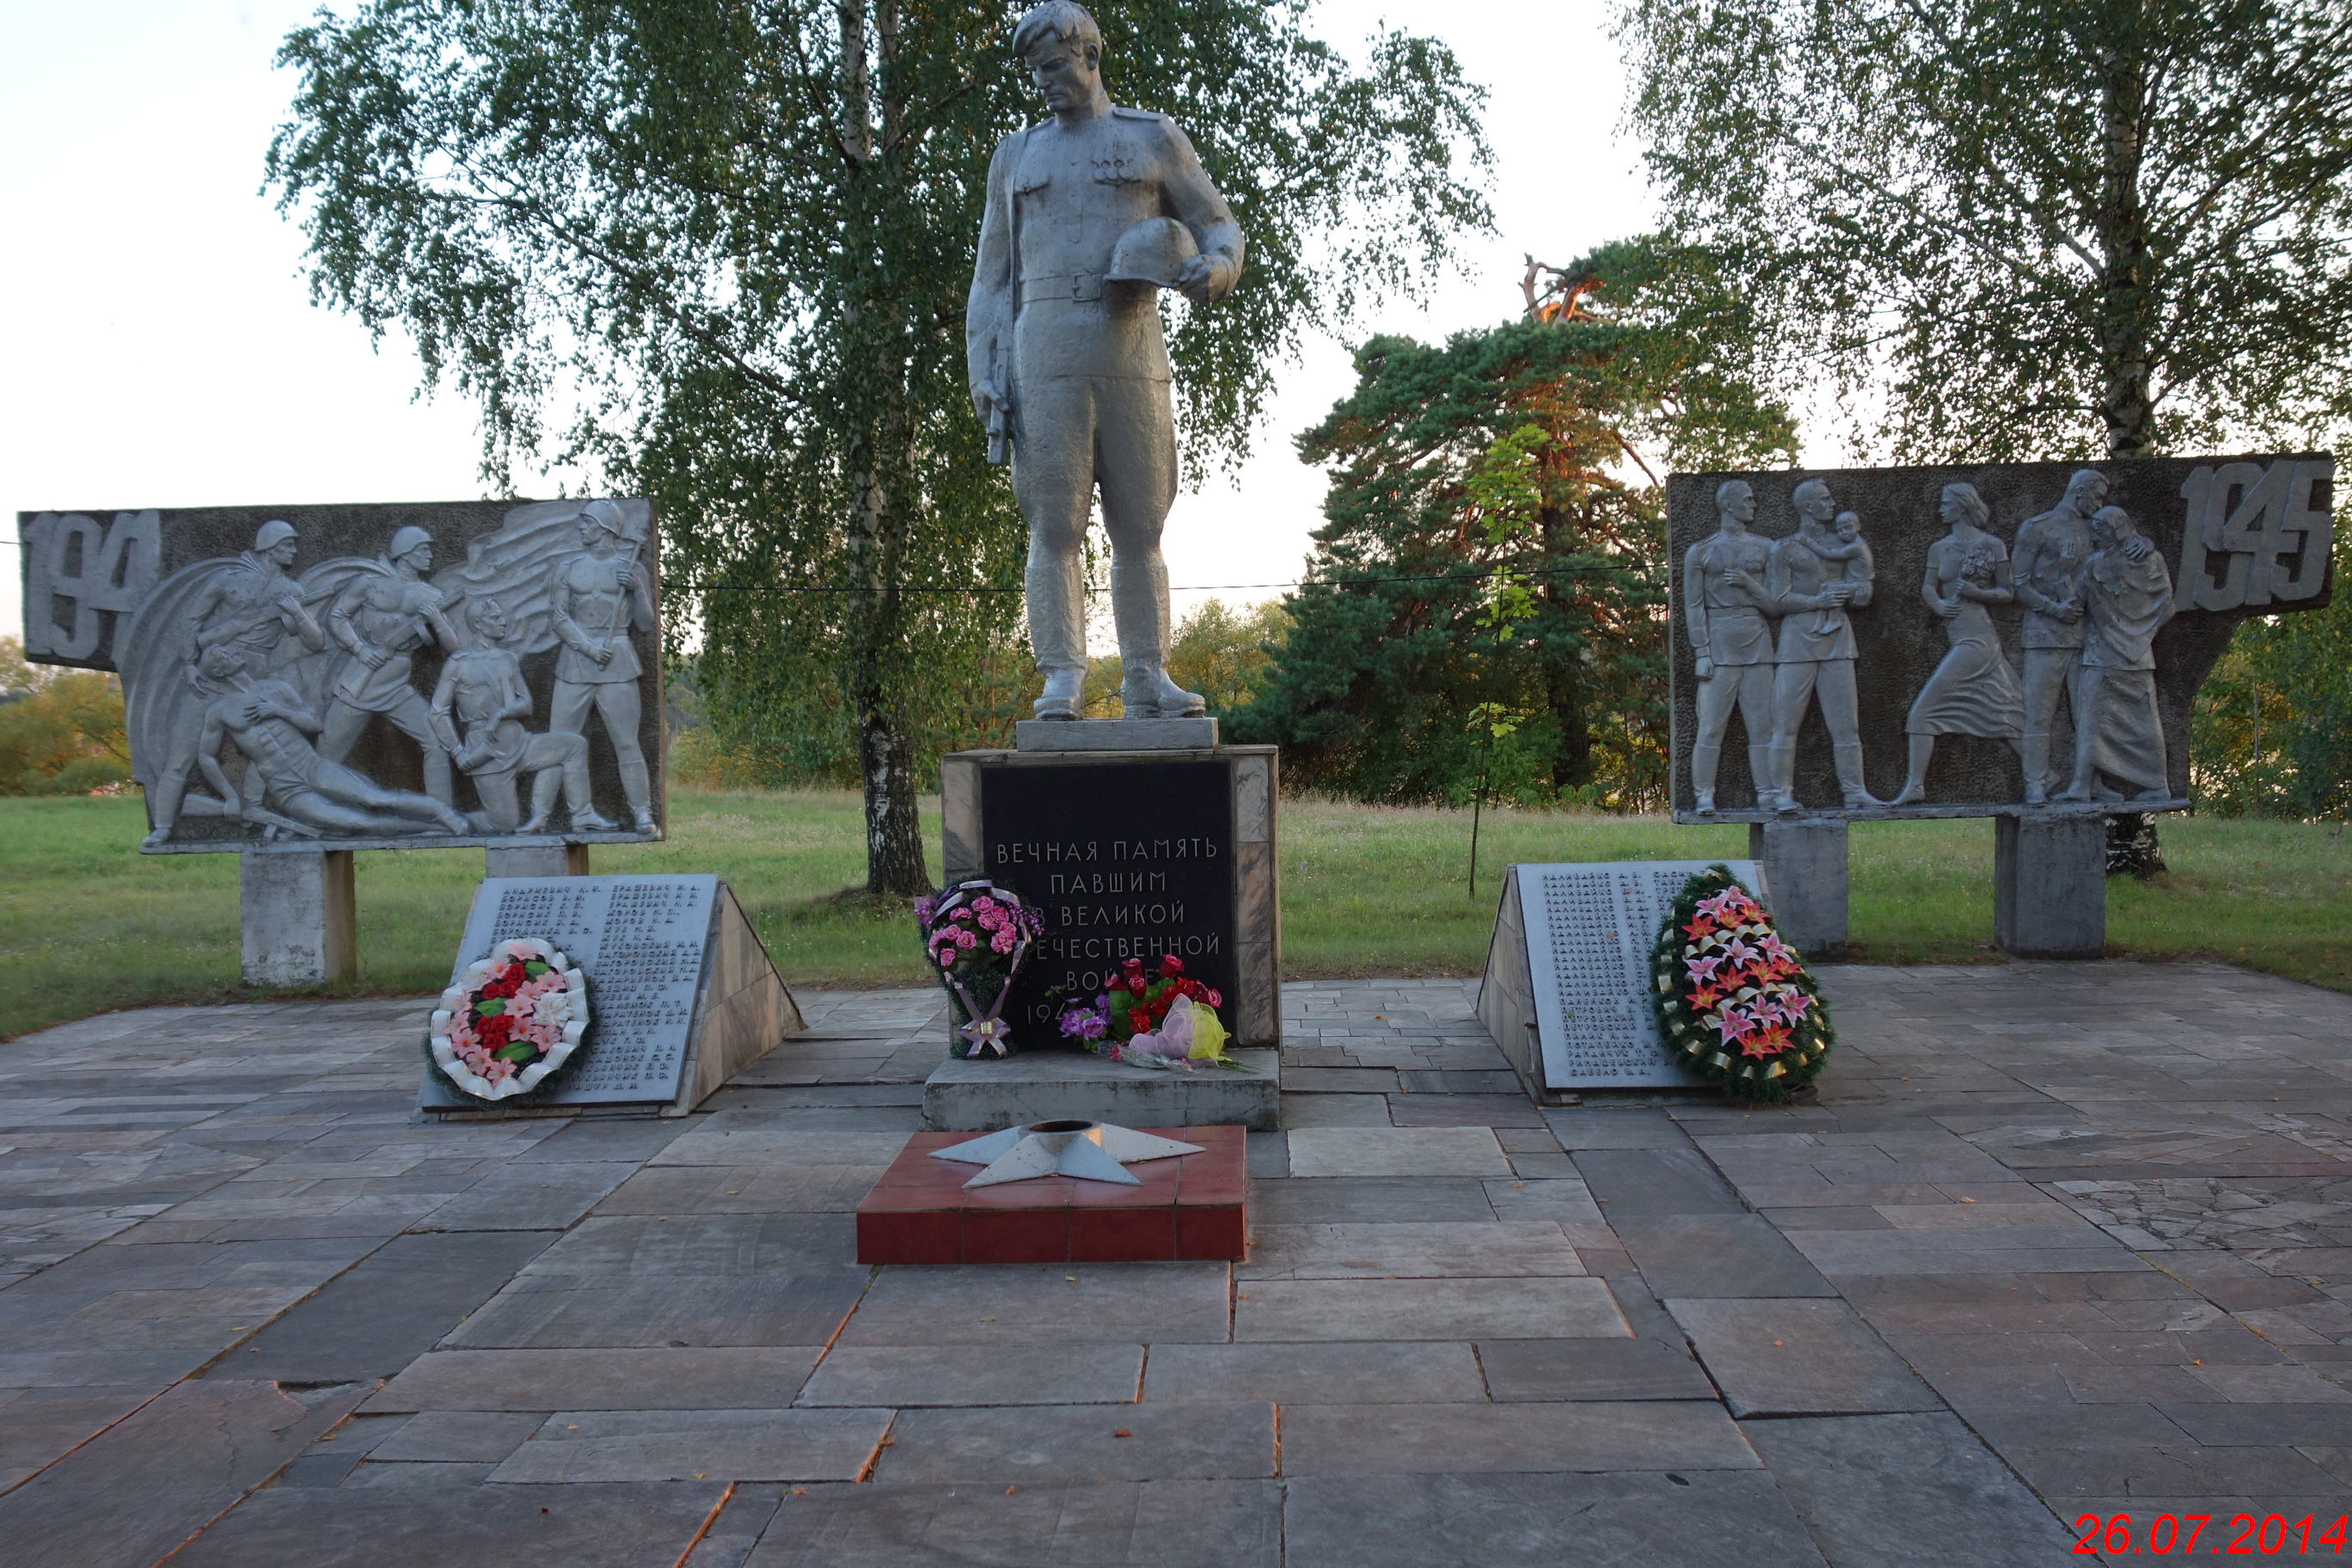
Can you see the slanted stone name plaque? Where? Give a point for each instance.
(682, 994)
(1567, 970)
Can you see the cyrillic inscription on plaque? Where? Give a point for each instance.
(1589, 929)
(1132, 860)
(641, 939)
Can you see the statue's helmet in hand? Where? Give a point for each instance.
(1152, 251)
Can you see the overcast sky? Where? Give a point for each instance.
(162, 350)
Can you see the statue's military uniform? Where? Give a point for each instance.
(2048, 560)
(1728, 625)
(397, 614)
(1082, 360)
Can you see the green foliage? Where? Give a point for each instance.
(2271, 731)
(1223, 654)
(1485, 600)
(717, 253)
(2059, 227)
(60, 730)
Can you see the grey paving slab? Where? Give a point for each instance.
(457, 1526)
(1906, 1489)
(742, 1189)
(389, 1309)
(1652, 1181)
(1610, 1368)
(695, 1445)
(1304, 1310)
(1334, 1111)
(552, 1311)
(1396, 1152)
(1371, 1200)
(1706, 1518)
(465, 1436)
(1408, 1250)
(2237, 1424)
(37, 1424)
(1494, 1111)
(146, 1484)
(961, 1373)
(1052, 1304)
(1065, 1443)
(1170, 1523)
(744, 1138)
(1395, 1372)
(1798, 1357)
(604, 1138)
(758, 1378)
(1717, 1256)
(2006, 1251)
(701, 1244)
(542, 1196)
(1426, 1439)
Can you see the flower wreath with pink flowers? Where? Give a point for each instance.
(977, 936)
(511, 1022)
(1734, 1003)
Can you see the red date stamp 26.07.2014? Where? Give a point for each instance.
(2243, 1535)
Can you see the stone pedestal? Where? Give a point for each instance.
(1805, 875)
(1072, 1085)
(1128, 855)
(299, 916)
(552, 859)
(1115, 734)
(2050, 886)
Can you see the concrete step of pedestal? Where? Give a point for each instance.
(1065, 1085)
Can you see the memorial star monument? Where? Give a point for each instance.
(1139, 836)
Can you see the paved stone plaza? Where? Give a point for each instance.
(2084, 1232)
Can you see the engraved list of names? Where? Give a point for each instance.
(641, 939)
(1589, 929)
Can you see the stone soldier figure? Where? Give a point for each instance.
(1086, 214)
(1723, 604)
(599, 595)
(1807, 586)
(2046, 564)
(269, 723)
(254, 603)
(383, 617)
(479, 709)
(2126, 596)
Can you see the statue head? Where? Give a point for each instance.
(222, 661)
(2111, 525)
(600, 520)
(411, 546)
(275, 540)
(1960, 503)
(1848, 525)
(1736, 499)
(2086, 491)
(1813, 502)
(487, 619)
(1061, 47)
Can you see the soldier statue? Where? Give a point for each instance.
(1089, 215)
(598, 597)
(382, 619)
(1724, 600)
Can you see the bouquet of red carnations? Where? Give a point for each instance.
(1162, 1019)
(511, 1020)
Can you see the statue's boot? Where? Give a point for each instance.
(1857, 796)
(1057, 634)
(1764, 767)
(1704, 761)
(1139, 602)
(2033, 751)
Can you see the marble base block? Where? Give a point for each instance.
(299, 918)
(1805, 868)
(2050, 887)
(1113, 734)
(1066, 1085)
(551, 860)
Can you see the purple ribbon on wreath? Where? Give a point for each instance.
(986, 1029)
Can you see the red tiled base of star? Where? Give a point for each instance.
(1189, 1205)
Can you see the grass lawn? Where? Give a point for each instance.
(86, 923)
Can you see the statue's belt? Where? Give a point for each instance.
(1073, 286)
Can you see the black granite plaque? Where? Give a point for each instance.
(641, 943)
(1122, 860)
